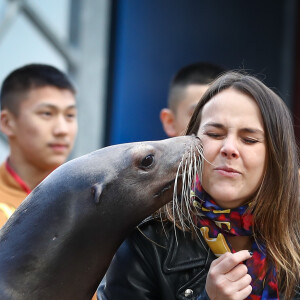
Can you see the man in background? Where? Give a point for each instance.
(39, 118)
(187, 87)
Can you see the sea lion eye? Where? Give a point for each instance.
(147, 161)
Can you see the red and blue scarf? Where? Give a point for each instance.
(216, 224)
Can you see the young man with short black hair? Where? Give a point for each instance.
(39, 118)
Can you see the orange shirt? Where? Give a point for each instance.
(12, 192)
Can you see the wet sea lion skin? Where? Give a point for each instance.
(59, 242)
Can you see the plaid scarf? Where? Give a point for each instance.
(216, 224)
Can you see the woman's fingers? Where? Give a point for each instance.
(233, 290)
(244, 293)
(231, 260)
(237, 273)
(228, 277)
(219, 259)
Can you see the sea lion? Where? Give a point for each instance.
(59, 242)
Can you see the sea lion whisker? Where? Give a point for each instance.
(188, 208)
(162, 223)
(190, 166)
(191, 178)
(200, 164)
(198, 168)
(202, 155)
(146, 237)
(175, 206)
(188, 192)
(190, 171)
(185, 192)
(175, 198)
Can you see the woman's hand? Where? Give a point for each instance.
(228, 277)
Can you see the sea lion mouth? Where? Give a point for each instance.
(166, 187)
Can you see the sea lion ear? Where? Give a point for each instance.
(96, 192)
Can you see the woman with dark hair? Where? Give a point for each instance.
(238, 235)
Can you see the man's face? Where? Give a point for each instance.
(45, 129)
(186, 106)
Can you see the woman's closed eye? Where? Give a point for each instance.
(250, 141)
(214, 135)
(219, 135)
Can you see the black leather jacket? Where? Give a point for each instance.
(151, 265)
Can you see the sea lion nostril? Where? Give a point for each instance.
(147, 161)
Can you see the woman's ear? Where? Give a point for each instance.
(7, 122)
(168, 120)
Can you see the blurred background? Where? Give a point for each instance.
(121, 54)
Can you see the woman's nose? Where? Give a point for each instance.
(229, 148)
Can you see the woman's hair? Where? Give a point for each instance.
(276, 206)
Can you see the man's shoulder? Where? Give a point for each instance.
(11, 194)
(3, 170)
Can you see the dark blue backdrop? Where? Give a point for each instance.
(153, 38)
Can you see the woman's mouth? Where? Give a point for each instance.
(228, 172)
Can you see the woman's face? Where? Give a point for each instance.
(234, 145)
